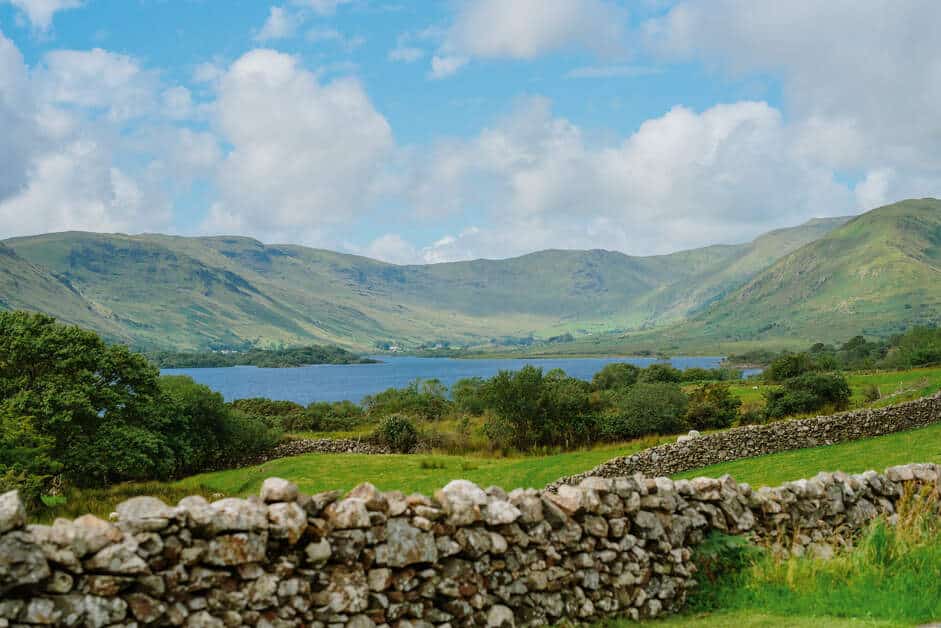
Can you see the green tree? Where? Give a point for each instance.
(615, 376)
(647, 408)
(810, 392)
(96, 403)
(712, 406)
(661, 373)
(790, 365)
(468, 395)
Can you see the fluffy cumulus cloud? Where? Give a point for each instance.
(314, 163)
(59, 163)
(41, 12)
(862, 80)
(281, 24)
(684, 179)
(526, 29)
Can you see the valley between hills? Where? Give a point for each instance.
(874, 274)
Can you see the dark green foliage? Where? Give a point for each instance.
(661, 373)
(615, 376)
(533, 409)
(262, 406)
(647, 408)
(697, 374)
(264, 358)
(468, 395)
(920, 346)
(790, 365)
(80, 394)
(425, 400)
(99, 414)
(397, 433)
(810, 392)
(712, 406)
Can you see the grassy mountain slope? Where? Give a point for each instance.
(176, 292)
(26, 286)
(878, 274)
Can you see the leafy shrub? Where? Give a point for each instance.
(397, 433)
(697, 374)
(810, 392)
(871, 393)
(661, 373)
(647, 408)
(615, 376)
(790, 365)
(425, 400)
(469, 395)
(531, 409)
(243, 435)
(712, 406)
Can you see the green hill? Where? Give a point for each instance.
(878, 274)
(170, 292)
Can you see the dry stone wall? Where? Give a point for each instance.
(467, 557)
(758, 440)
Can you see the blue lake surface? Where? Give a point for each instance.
(336, 382)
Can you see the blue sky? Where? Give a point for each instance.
(435, 131)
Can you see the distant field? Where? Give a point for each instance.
(894, 386)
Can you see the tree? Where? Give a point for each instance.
(661, 373)
(89, 399)
(647, 408)
(532, 409)
(809, 392)
(468, 395)
(614, 376)
(712, 406)
(790, 365)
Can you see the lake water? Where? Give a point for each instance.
(336, 382)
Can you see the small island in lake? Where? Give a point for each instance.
(264, 358)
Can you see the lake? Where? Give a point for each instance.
(336, 382)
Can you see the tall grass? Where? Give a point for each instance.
(892, 573)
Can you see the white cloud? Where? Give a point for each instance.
(281, 24)
(861, 80)
(40, 13)
(177, 102)
(19, 130)
(61, 160)
(443, 67)
(684, 179)
(406, 54)
(333, 36)
(526, 29)
(392, 248)
(314, 164)
(100, 80)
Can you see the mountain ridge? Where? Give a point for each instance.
(179, 292)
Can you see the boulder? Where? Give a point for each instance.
(406, 545)
(286, 520)
(278, 490)
(12, 512)
(21, 561)
(348, 513)
(462, 500)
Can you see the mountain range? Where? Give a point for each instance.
(874, 273)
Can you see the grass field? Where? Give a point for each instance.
(894, 386)
(758, 619)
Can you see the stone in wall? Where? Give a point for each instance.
(618, 546)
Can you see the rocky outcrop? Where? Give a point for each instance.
(696, 452)
(469, 556)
